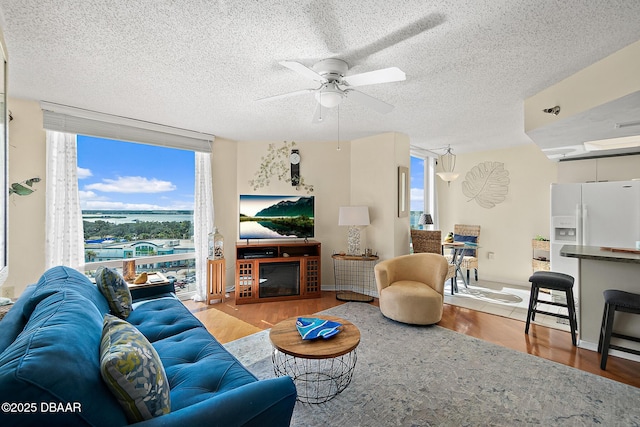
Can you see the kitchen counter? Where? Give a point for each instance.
(599, 254)
(600, 270)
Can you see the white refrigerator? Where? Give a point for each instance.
(605, 214)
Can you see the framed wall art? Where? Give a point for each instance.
(403, 191)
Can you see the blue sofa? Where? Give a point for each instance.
(50, 368)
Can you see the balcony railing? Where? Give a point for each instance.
(184, 286)
(155, 259)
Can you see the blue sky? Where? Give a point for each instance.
(120, 175)
(417, 184)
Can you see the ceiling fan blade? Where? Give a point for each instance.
(303, 70)
(287, 95)
(369, 101)
(386, 75)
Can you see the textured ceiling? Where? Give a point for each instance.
(201, 65)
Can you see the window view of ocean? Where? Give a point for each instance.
(123, 217)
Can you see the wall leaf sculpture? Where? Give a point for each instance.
(487, 183)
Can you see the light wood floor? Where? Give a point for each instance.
(544, 342)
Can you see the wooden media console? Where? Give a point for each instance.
(277, 271)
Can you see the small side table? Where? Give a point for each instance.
(319, 368)
(354, 276)
(215, 280)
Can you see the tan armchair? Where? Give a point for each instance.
(411, 288)
(430, 241)
(468, 262)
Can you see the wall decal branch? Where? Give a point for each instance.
(275, 164)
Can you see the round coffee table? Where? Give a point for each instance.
(320, 368)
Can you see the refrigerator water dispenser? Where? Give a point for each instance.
(564, 229)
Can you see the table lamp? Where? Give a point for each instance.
(425, 219)
(355, 217)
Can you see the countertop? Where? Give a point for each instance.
(598, 254)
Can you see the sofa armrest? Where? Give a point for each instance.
(262, 403)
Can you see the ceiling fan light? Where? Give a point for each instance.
(330, 95)
(329, 99)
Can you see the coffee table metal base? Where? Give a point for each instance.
(316, 380)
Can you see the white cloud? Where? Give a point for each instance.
(132, 184)
(84, 173)
(417, 194)
(120, 206)
(84, 195)
(104, 205)
(417, 199)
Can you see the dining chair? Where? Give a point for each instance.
(467, 233)
(430, 241)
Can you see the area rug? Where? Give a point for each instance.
(431, 376)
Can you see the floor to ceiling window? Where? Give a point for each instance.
(423, 192)
(417, 196)
(137, 200)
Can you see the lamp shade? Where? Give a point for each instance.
(354, 215)
(425, 219)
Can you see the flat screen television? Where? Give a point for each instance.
(276, 217)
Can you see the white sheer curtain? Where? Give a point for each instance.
(432, 193)
(64, 234)
(202, 221)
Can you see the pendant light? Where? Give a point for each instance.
(448, 163)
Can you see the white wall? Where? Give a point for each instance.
(620, 168)
(506, 229)
(27, 159)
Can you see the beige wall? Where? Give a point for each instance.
(322, 166)
(27, 159)
(507, 228)
(223, 171)
(608, 79)
(374, 183)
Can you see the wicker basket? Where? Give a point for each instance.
(540, 265)
(542, 245)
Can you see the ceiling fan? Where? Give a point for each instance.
(336, 85)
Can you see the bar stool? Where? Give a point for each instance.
(615, 300)
(557, 282)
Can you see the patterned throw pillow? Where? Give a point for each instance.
(467, 239)
(115, 290)
(133, 371)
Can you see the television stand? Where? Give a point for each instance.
(277, 271)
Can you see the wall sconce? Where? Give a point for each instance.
(23, 188)
(355, 217)
(448, 163)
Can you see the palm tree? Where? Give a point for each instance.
(90, 255)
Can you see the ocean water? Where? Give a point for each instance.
(123, 217)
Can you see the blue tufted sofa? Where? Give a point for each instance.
(50, 368)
